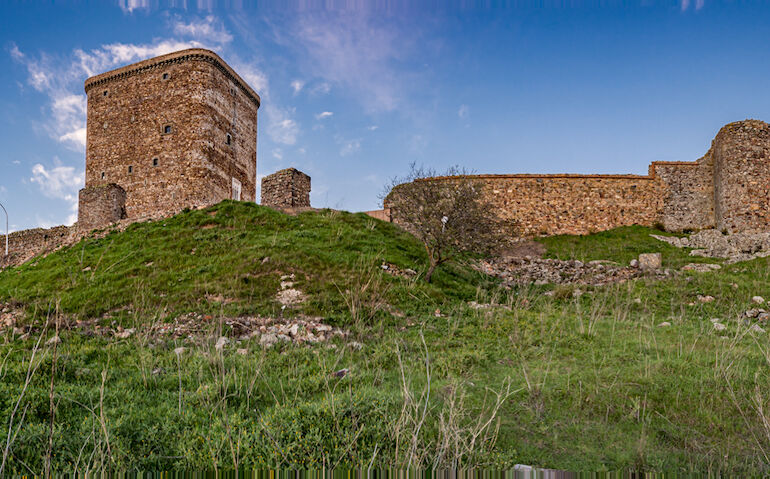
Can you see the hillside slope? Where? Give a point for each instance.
(460, 372)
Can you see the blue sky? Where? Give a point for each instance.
(352, 92)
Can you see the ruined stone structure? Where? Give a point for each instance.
(24, 245)
(172, 132)
(728, 188)
(289, 188)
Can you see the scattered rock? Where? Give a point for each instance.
(664, 324)
(755, 328)
(54, 340)
(242, 351)
(701, 267)
(341, 373)
(528, 270)
(713, 244)
(637, 300)
(650, 261)
(719, 326)
(395, 270)
(266, 259)
(221, 343)
(290, 297)
(158, 371)
(634, 263)
(179, 351)
(757, 300)
(268, 340)
(126, 333)
(87, 268)
(705, 299)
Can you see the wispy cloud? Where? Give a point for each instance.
(297, 86)
(323, 115)
(60, 182)
(463, 111)
(349, 147)
(685, 4)
(372, 127)
(208, 29)
(281, 127)
(355, 51)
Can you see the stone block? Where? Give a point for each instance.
(650, 261)
(289, 188)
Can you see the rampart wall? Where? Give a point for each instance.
(728, 188)
(25, 245)
(573, 204)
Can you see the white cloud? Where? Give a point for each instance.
(209, 29)
(372, 127)
(257, 79)
(60, 182)
(128, 6)
(16, 162)
(277, 154)
(349, 147)
(323, 115)
(463, 111)
(297, 86)
(61, 78)
(280, 126)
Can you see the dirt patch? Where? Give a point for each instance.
(525, 249)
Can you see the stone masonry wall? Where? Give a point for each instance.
(100, 206)
(176, 131)
(25, 245)
(573, 204)
(741, 153)
(729, 188)
(689, 194)
(286, 188)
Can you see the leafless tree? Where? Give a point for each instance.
(447, 212)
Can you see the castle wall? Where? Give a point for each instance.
(201, 101)
(689, 194)
(741, 154)
(574, 204)
(100, 206)
(25, 245)
(286, 188)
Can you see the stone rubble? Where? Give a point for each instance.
(269, 331)
(713, 244)
(526, 270)
(701, 267)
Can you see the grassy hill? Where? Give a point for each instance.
(425, 377)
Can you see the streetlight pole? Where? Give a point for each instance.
(6, 228)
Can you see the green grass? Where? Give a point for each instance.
(593, 383)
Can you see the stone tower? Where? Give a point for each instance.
(172, 132)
